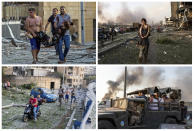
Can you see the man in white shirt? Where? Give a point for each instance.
(153, 103)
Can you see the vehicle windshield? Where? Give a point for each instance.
(46, 91)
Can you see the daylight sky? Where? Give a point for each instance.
(153, 11)
(178, 77)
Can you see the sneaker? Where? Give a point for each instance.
(35, 119)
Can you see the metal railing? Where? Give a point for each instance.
(92, 97)
(163, 106)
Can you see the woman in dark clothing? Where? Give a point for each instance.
(144, 33)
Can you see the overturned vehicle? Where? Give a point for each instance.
(139, 113)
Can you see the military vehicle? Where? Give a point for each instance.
(147, 115)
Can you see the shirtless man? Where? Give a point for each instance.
(34, 25)
(67, 95)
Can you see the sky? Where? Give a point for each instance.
(153, 11)
(176, 77)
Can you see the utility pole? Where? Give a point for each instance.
(125, 82)
(82, 23)
(63, 77)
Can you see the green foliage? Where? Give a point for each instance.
(28, 86)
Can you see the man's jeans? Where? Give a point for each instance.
(35, 112)
(73, 98)
(57, 48)
(38, 108)
(57, 45)
(66, 40)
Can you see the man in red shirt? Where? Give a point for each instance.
(34, 102)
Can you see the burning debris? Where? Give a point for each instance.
(134, 77)
(113, 89)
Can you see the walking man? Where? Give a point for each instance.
(66, 95)
(61, 94)
(53, 31)
(73, 98)
(34, 25)
(62, 22)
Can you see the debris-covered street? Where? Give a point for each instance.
(68, 103)
(22, 54)
(13, 117)
(52, 116)
(17, 46)
(167, 40)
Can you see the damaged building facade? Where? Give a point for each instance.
(43, 77)
(73, 76)
(86, 24)
(181, 15)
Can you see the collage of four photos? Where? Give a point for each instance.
(96, 64)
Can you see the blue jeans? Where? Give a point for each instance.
(57, 48)
(66, 40)
(57, 45)
(38, 108)
(35, 112)
(73, 97)
(34, 44)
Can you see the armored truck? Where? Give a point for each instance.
(140, 113)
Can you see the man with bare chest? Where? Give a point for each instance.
(33, 25)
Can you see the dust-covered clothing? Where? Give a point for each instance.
(134, 115)
(145, 41)
(59, 19)
(51, 19)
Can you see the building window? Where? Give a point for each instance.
(69, 80)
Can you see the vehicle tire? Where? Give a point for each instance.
(105, 124)
(171, 121)
(25, 118)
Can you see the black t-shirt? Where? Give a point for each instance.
(51, 19)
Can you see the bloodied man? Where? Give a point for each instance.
(62, 23)
(33, 26)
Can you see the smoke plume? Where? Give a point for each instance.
(124, 17)
(184, 82)
(150, 77)
(134, 77)
(104, 18)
